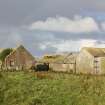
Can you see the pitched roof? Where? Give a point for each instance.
(21, 47)
(71, 57)
(96, 52)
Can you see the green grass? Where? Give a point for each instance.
(19, 88)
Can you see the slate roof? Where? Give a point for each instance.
(96, 52)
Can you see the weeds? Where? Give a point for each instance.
(48, 88)
(43, 75)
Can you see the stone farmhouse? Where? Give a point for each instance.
(19, 59)
(68, 64)
(91, 61)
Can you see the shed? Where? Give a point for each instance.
(68, 64)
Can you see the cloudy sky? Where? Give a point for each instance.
(49, 26)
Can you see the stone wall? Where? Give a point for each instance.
(58, 67)
(102, 64)
(85, 63)
(19, 59)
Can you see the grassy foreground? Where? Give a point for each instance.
(19, 88)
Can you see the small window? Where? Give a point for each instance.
(11, 63)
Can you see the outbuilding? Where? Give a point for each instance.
(91, 61)
(19, 59)
(68, 64)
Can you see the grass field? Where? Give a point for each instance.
(21, 88)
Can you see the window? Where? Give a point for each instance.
(11, 63)
(96, 65)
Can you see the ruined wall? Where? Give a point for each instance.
(58, 67)
(85, 63)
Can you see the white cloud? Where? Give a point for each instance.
(103, 26)
(69, 45)
(75, 45)
(88, 43)
(42, 46)
(63, 24)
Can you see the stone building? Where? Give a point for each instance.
(19, 59)
(68, 64)
(91, 61)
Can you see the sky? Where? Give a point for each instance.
(52, 26)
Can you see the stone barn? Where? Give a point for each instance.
(68, 64)
(91, 61)
(19, 59)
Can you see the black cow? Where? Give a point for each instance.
(41, 67)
